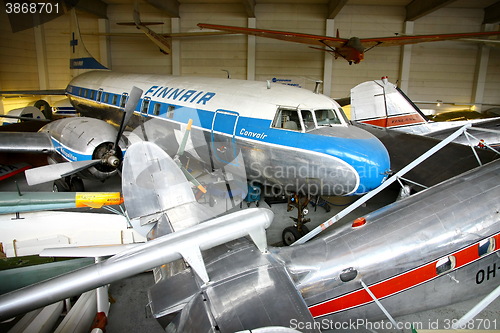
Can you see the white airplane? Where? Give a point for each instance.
(382, 104)
(290, 138)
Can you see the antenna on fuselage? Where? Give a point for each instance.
(316, 87)
(227, 72)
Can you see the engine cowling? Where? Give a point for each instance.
(85, 139)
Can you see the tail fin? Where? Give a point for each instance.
(382, 104)
(80, 56)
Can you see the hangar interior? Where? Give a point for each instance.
(442, 76)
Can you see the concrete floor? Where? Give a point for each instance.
(129, 312)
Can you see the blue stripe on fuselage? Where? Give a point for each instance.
(367, 156)
(69, 154)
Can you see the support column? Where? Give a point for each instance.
(483, 57)
(176, 46)
(104, 51)
(252, 23)
(41, 57)
(405, 63)
(328, 60)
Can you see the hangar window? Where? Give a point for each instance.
(287, 119)
(326, 117)
(486, 246)
(123, 100)
(145, 104)
(156, 109)
(170, 111)
(445, 264)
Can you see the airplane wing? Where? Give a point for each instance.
(17, 142)
(414, 39)
(316, 40)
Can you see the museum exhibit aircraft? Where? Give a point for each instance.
(289, 137)
(351, 49)
(426, 251)
(382, 104)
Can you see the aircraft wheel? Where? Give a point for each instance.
(58, 186)
(305, 229)
(290, 235)
(76, 185)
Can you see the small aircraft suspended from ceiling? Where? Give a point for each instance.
(351, 49)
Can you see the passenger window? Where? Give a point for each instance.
(156, 109)
(99, 95)
(445, 264)
(114, 99)
(170, 111)
(123, 100)
(92, 94)
(326, 117)
(308, 119)
(287, 119)
(145, 104)
(486, 246)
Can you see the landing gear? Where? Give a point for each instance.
(292, 234)
(68, 184)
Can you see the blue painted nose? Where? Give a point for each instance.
(365, 154)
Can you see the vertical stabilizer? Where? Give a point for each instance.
(80, 58)
(380, 103)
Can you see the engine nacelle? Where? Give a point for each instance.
(84, 139)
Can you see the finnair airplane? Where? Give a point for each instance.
(289, 137)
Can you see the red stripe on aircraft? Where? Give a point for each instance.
(394, 121)
(13, 171)
(397, 283)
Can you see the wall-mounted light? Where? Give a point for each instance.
(439, 102)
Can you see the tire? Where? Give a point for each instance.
(290, 235)
(305, 230)
(76, 185)
(58, 186)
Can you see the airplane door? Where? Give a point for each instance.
(222, 139)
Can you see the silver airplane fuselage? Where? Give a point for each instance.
(436, 248)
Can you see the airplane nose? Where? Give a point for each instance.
(370, 159)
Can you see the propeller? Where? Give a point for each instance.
(60, 170)
(180, 152)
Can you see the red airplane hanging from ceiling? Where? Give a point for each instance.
(351, 49)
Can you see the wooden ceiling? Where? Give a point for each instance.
(414, 9)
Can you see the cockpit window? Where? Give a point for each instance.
(308, 119)
(327, 117)
(287, 119)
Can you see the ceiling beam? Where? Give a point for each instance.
(169, 7)
(249, 7)
(419, 8)
(492, 13)
(334, 7)
(95, 7)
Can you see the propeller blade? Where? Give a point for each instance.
(52, 172)
(182, 146)
(128, 111)
(193, 180)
